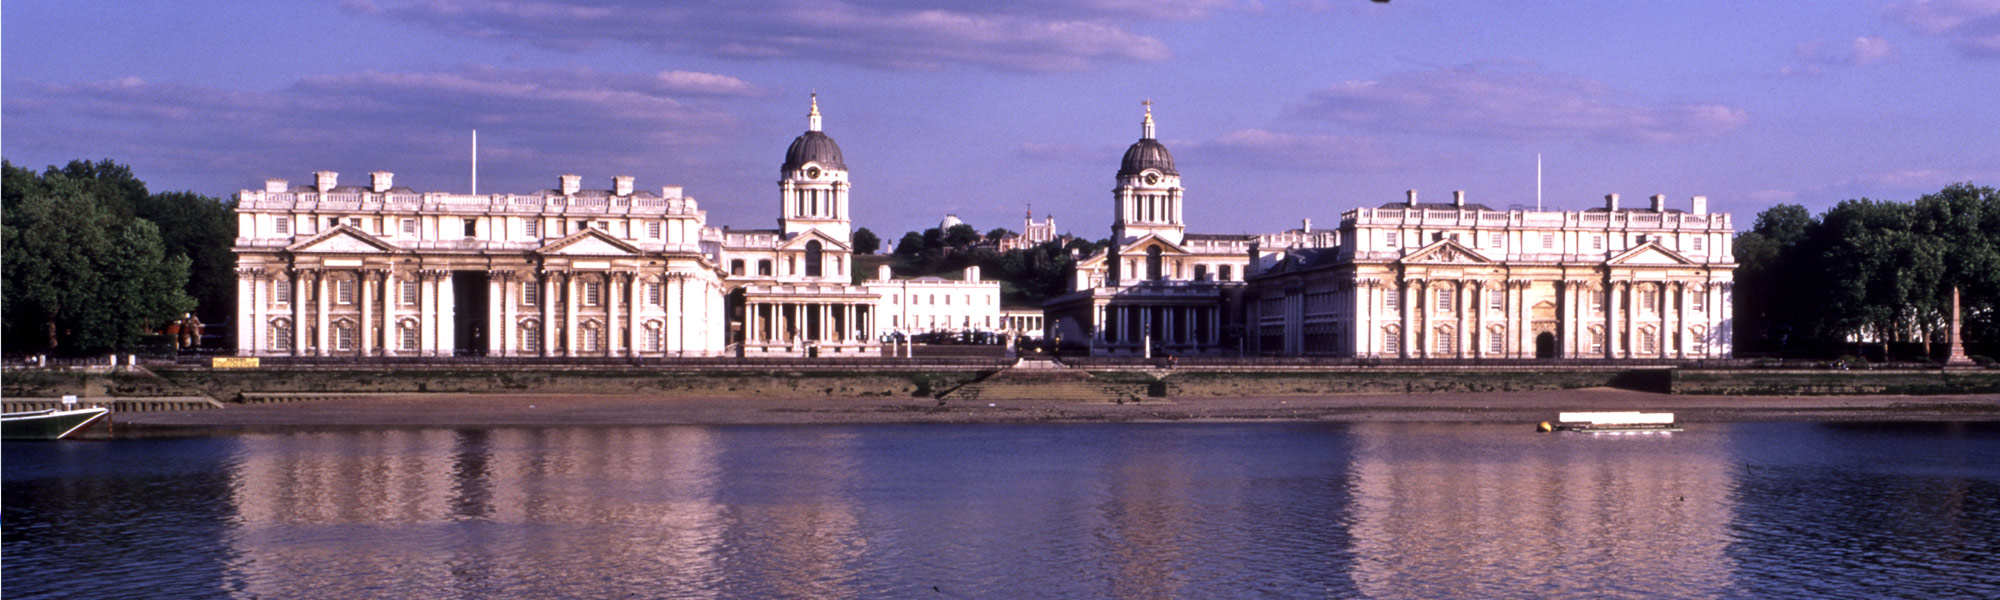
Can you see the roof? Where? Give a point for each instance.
(1147, 153)
(813, 147)
(1440, 206)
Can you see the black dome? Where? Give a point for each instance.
(813, 147)
(1147, 153)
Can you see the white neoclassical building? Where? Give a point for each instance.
(938, 305)
(344, 270)
(1460, 280)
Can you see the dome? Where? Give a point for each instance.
(949, 222)
(1147, 153)
(813, 147)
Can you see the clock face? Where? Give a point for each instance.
(1152, 178)
(812, 172)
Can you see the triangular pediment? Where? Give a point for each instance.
(798, 242)
(343, 239)
(1446, 252)
(1138, 246)
(1649, 253)
(590, 242)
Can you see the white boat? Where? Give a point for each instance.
(1612, 422)
(50, 424)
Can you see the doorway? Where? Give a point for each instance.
(1545, 345)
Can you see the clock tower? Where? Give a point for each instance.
(1149, 190)
(812, 185)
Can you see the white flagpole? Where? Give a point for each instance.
(1538, 182)
(475, 162)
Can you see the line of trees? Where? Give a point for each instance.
(1027, 275)
(1868, 273)
(93, 262)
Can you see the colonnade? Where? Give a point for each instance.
(1171, 325)
(790, 323)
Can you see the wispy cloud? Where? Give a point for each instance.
(536, 120)
(1514, 100)
(1282, 151)
(1861, 52)
(1971, 26)
(1031, 35)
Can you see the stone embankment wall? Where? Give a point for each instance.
(1754, 382)
(230, 384)
(1243, 383)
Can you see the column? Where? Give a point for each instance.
(1460, 290)
(510, 309)
(1631, 312)
(751, 324)
(246, 298)
(548, 301)
(391, 299)
(320, 313)
(496, 319)
(569, 315)
(633, 322)
(1407, 306)
(367, 289)
(299, 311)
(611, 279)
(427, 313)
(260, 304)
(447, 306)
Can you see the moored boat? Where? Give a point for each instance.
(50, 424)
(1612, 422)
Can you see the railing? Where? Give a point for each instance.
(604, 362)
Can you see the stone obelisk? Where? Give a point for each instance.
(1957, 356)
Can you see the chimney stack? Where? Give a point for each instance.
(882, 273)
(325, 180)
(276, 186)
(1413, 198)
(1659, 203)
(1308, 226)
(1611, 202)
(1701, 205)
(621, 185)
(972, 274)
(570, 184)
(380, 181)
(1256, 259)
(1458, 198)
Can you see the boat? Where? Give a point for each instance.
(49, 424)
(1612, 422)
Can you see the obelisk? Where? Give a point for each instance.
(1957, 356)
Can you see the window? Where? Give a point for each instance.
(933, 299)
(1389, 238)
(604, 226)
(343, 336)
(1392, 341)
(1223, 273)
(654, 339)
(1201, 272)
(406, 336)
(1699, 301)
(281, 336)
(947, 299)
(1445, 341)
(736, 267)
(1697, 243)
(1548, 241)
(283, 225)
(1648, 342)
(531, 294)
(1499, 239)
(591, 292)
(895, 299)
(1392, 300)
(592, 338)
(282, 291)
(531, 337)
(653, 293)
(1649, 299)
(1597, 341)
(653, 229)
(354, 222)
(471, 227)
(1444, 298)
(815, 259)
(1597, 300)
(1596, 242)
(1496, 341)
(343, 291)
(764, 267)
(532, 227)
(1496, 299)
(410, 227)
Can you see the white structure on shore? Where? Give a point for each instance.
(936, 304)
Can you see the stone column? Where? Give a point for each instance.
(1407, 306)
(611, 280)
(260, 304)
(508, 342)
(427, 312)
(321, 317)
(1461, 290)
(366, 283)
(447, 307)
(246, 298)
(1630, 319)
(634, 322)
(496, 318)
(299, 311)
(548, 302)
(391, 301)
(570, 304)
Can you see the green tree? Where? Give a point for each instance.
(962, 237)
(865, 241)
(202, 229)
(997, 234)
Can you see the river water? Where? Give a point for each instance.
(1378, 510)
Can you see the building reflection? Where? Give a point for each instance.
(1558, 515)
(576, 512)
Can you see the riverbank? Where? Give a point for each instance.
(530, 410)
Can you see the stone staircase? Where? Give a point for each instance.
(1044, 380)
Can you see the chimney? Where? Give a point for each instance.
(570, 184)
(276, 186)
(882, 273)
(1611, 202)
(1413, 198)
(1659, 203)
(1308, 228)
(1256, 259)
(1701, 205)
(325, 180)
(972, 274)
(621, 185)
(671, 192)
(381, 181)
(1458, 198)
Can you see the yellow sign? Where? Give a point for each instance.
(233, 362)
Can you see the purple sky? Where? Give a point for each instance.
(1275, 111)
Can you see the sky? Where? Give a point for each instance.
(1275, 111)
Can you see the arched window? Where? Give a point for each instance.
(281, 335)
(531, 336)
(1153, 266)
(406, 335)
(1392, 341)
(814, 259)
(736, 267)
(764, 267)
(1445, 340)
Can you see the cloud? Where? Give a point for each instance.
(1032, 35)
(1514, 101)
(534, 122)
(1972, 27)
(1861, 52)
(1280, 151)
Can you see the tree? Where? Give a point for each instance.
(82, 277)
(202, 229)
(961, 237)
(997, 234)
(911, 245)
(865, 241)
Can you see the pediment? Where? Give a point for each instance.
(1138, 246)
(798, 242)
(1446, 252)
(590, 242)
(1649, 254)
(343, 239)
